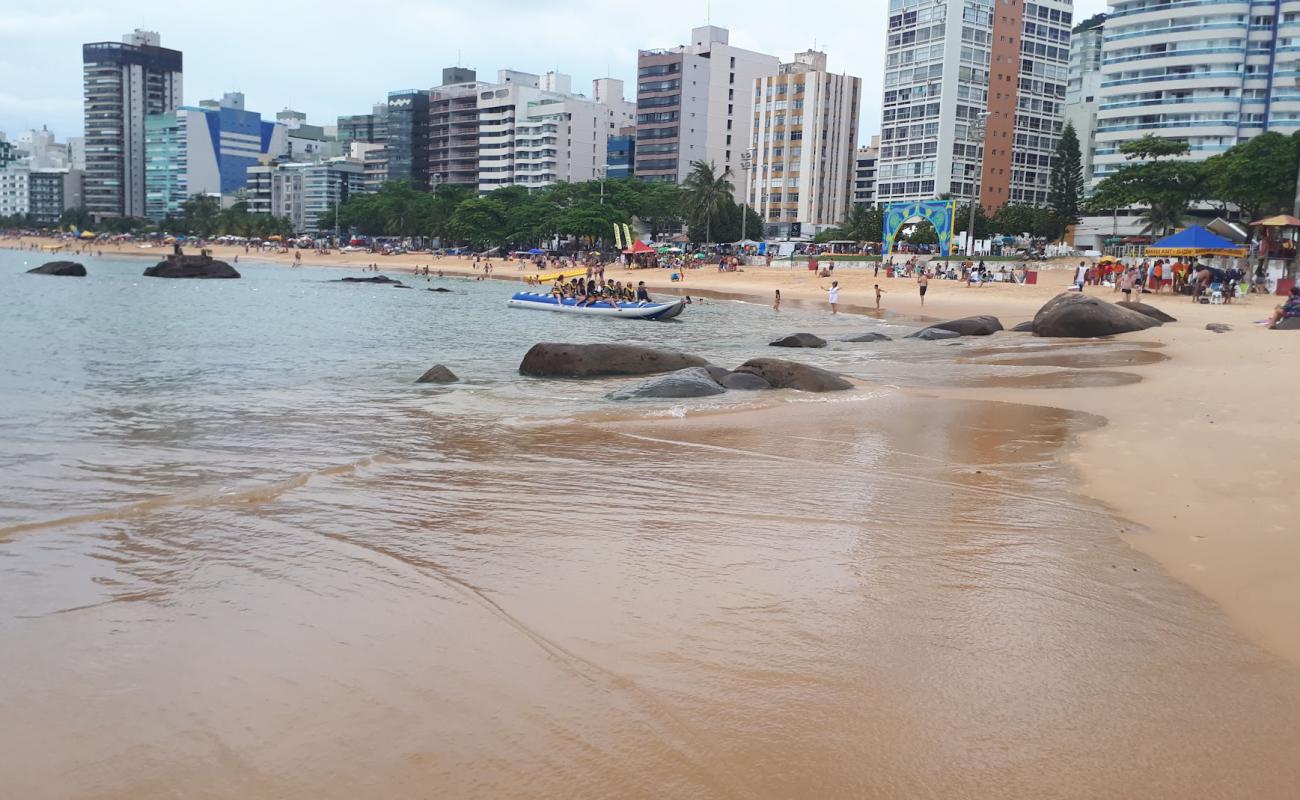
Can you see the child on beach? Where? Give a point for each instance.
(776, 301)
(879, 292)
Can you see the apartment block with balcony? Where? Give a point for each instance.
(864, 173)
(453, 128)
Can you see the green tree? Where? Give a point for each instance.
(1066, 191)
(707, 194)
(1166, 188)
(1257, 176)
(481, 221)
(199, 215)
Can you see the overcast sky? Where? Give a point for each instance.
(328, 58)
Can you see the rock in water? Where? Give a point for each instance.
(560, 360)
(1025, 327)
(373, 279)
(983, 325)
(868, 337)
(717, 373)
(438, 374)
(1288, 324)
(745, 382)
(799, 340)
(1218, 327)
(69, 268)
(782, 374)
(191, 267)
(689, 382)
(933, 334)
(438, 289)
(1080, 316)
(1150, 311)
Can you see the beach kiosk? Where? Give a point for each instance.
(1277, 250)
(1198, 243)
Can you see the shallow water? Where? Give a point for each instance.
(244, 556)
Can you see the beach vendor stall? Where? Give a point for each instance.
(1277, 251)
(1214, 263)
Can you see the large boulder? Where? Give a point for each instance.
(438, 374)
(191, 267)
(1288, 324)
(560, 360)
(982, 325)
(868, 337)
(1083, 317)
(782, 374)
(689, 382)
(69, 268)
(1025, 327)
(716, 372)
(933, 334)
(1146, 310)
(745, 382)
(799, 340)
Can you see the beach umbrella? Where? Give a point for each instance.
(536, 251)
(87, 235)
(1279, 221)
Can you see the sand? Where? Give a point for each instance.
(1200, 454)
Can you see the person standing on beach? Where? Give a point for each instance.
(922, 283)
(833, 295)
(1081, 275)
(776, 301)
(879, 292)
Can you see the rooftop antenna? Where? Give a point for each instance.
(708, 12)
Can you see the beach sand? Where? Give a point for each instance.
(1199, 454)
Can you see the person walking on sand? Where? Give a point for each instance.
(833, 295)
(922, 283)
(879, 292)
(776, 301)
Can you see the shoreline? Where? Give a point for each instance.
(1185, 453)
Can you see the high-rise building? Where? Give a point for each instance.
(408, 137)
(205, 150)
(695, 103)
(804, 132)
(15, 189)
(304, 192)
(1208, 74)
(369, 128)
(620, 153)
(949, 67)
(864, 173)
(125, 82)
(51, 192)
(1084, 85)
(453, 128)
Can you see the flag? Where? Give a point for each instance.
(627, 234)
(618, 236)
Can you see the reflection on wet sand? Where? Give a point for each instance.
(1056, 379)
(895, 597)
(1124, 357)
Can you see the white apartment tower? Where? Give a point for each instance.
(124, 83)
(950, 65)
(695, 103)
(804, 133)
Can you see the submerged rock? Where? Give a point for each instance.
(1146, 310)
(68, 268)
(689, 382)
(1081, 316)
(982, 325)
(782, 374)
(438, 374)
(745, 382)
(437, 289)
(373, 279)
(201, 266)
(799, 340)
(868, 337)
(560, 360)
(932, 334)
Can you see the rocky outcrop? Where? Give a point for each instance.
(378, 279)
(202, 266)
(716, 372)
(1084, 317)
(438, 374)
(868, 337)
(1218, 327)
(933, 334)
(799, 340)
(982, 325)
(1025, 327)
(745, 382)
(782, 374)
(68, 268)
(689, 382)
(1146, 310)
(560, 360)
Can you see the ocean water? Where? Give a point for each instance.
(242, 554)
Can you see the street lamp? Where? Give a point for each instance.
(747, 164)
(602, 171)
(975, 132)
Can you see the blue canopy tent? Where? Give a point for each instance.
(1195, 241)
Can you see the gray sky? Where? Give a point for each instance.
(328, 58)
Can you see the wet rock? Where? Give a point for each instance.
(1084, 317)
(1288, 324)
(982, 325)
(384, 279)
(560, 360)
(868, 337)
(1218, 327)
(745, 382)
(195, 267)
(799, 340)
(437, 289)
(1146, 310)
(438, 374)
(1025, 327)
(782, 374)
(933, 334)
(717, 372)
(68, 268)
(689, 382)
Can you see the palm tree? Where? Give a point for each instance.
(707, 193)
(1161, 218)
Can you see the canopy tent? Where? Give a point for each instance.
(638, 247)
(1195, 241)
(1279, 221)
(536, 251)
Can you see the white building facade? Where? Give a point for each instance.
(304, 192)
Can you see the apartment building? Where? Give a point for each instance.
(864, 173)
